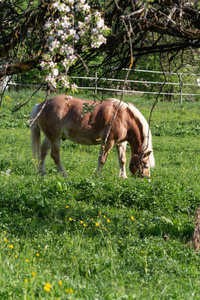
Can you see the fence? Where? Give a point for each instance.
(180, 84)
(179, 88)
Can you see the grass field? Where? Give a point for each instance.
(106, 238)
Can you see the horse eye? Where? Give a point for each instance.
(144, 166)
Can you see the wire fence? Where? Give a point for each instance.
(182, 84)
(177, 85)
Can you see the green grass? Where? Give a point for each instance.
(103, 238)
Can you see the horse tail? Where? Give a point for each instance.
(35, 133)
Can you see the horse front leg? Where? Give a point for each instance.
(55, 154)
(104, 150)
(121, 150)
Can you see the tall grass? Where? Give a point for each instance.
(106, 238)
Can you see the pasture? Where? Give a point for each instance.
(106, 238)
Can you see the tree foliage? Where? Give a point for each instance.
(138, 28)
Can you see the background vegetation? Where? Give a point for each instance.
(106, 238)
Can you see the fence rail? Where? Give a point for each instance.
(97, 84)
(180, 84)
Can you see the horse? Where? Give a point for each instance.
(108, 122)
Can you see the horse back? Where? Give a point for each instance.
(64, 118)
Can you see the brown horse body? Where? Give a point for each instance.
(63, 118)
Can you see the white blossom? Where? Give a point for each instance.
(100, 23)
(55, 72)
(76, 36)
(48, 25)
(86, 7)
(55, 5)
(63, 32)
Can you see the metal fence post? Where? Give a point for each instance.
(180, 84)
(96, 79)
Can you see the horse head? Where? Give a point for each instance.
(139, 164)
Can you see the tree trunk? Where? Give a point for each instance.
(196, 235)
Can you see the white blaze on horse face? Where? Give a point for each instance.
(146, 170)
(145, 165)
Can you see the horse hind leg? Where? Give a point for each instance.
(55, 154)
(121, 150)
(46, 146)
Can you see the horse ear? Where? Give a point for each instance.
(147, 154)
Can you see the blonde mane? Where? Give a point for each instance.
(147, 142)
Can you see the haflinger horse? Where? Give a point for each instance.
(62, 117)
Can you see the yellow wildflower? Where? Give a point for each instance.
(47, 289)
(48, 285)
(69, 290)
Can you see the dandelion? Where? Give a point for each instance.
(104, 217)
(70, 219)
(16, 255)
(97, 224)
(142, 252)
(34, 274)
(67, 206)
(81, 222)
(69, 290)
(108, 221)
(100, 213)
(11, 246)
(132, 218)
(120, 242)
(47, 289)
(5, 231)
(37, 254)
(84, 225)
(25, 280)
(5, 240)
(48, 285)
(60, 282)
(26, 260)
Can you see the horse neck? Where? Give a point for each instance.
(135, 138)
